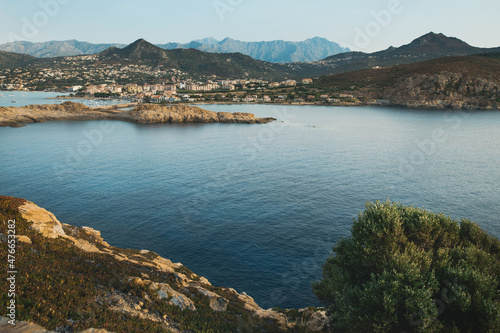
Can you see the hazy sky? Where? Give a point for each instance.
(367, 25)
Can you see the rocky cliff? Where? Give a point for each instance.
(445, 90)
(69, 279)
(470, 82)
(143, 113)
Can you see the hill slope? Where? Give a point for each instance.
(14, 60)
(458, 82)
(70, 279)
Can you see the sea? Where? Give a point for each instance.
(254, 207)
(23, 98)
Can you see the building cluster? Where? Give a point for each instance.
(74, 72)
(166, 92)
(288, 83)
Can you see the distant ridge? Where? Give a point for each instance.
(278, 51)
(427, 47)
(56, 48)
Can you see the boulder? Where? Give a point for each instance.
(42, 221)
(174, 297)
(217, 302)
(318, 322)
(23, 239)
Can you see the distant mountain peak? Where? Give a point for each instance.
(208, 41)
(438, 38)
(141, 42)
(317, 38)
(140, 49)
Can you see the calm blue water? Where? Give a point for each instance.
(255, 207)
(22, 98)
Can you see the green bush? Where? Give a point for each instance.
(406, 269)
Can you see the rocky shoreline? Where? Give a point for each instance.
(160, 281)
(137, 113)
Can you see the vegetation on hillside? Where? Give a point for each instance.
(63, 288)
(406, 269)
(468, 81)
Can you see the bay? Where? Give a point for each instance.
(255, 207)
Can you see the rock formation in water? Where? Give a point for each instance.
(152, 113)
(142, 113)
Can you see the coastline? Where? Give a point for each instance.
(147, 288)
(423, 105)
(131, 112)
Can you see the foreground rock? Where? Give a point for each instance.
(144, 113)
(149, 287)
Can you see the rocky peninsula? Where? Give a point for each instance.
(137, 113)
(70, 279)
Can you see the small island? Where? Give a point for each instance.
(137, 113)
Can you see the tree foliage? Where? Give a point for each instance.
(404, 269)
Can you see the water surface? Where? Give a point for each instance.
(255, 207)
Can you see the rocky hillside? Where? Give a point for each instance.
(142, 113)
(70, 279)
(470, 82)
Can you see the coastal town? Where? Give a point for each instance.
(82, 78)
(239, 90)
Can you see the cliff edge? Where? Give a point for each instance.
(69, 280)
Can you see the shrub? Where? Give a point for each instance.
(406, 269)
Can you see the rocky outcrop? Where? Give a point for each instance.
(217, 303)
(18, 116)
(174, 297)
(150, 113)
(181, 288)
(42, 221)
(144, 113)
(445, 90)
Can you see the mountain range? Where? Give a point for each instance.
(54, 49)
(193, 63)
(277, 51)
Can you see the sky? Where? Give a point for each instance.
(362, 25)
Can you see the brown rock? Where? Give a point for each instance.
(23, 239)
(43, 221)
